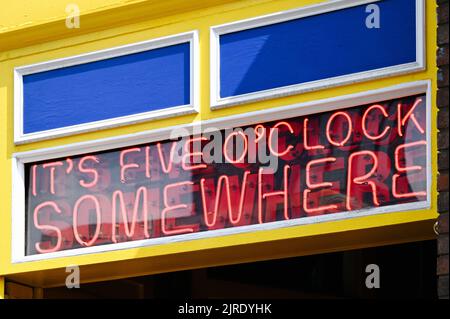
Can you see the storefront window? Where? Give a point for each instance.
(352, 161)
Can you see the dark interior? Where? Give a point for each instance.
(406, 271)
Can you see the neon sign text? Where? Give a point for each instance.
(328, 163)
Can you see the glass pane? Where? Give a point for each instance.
(329, 163)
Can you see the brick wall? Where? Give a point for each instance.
(443, 141)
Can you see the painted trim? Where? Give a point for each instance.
(20, 159)
(215, 32)
(2, 288)
(193, 107)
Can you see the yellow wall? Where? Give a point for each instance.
(31, 32)
(21, 14)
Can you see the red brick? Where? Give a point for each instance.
(442, 12)
(443, 159)
(443, 202)
(442, 120)
(442, 34)
(442, 55)
(442, 265)
(443, 286)
(443, 139)
(442, 97)
(443, 76)
(442, 183)
(443, 244)
(442, 60)
(443, 224)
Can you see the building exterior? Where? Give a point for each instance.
(142, 137)
(442, 101)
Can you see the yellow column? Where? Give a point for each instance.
(38, 293)
(2, 287)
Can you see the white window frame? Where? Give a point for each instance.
(193, 107)
(267, 115)
(216, 31)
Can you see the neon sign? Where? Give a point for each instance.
(328, 163)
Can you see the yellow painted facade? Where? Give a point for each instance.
(34, 31)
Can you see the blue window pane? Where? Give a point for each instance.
(317, 47)
(125, 85)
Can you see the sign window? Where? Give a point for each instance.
(348, 160)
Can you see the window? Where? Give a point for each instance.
(118, 86)
(314, 47)
(378, 142)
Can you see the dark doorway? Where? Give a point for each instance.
(406, 271)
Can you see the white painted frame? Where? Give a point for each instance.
(193, 107)
(215, 32)
(20, 159)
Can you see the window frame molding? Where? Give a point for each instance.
(18, 213)
(193, 107)
(218, 102)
